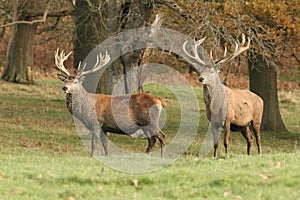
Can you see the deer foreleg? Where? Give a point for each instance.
(226, 136)
(94, 142)
(104, 142)
(215, 132)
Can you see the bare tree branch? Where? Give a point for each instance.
(49, 28)
(45, 14)
(295, 56)
(36, 13)
(30, 22)
(173, 6)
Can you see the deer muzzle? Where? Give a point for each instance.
(201, 79)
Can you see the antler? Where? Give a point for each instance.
(195, 50)
(239, 48)
(102, 60)
(59, 61)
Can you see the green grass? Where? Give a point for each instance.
(42, 157)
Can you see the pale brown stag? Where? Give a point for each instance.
(233, 110)
(102, 113)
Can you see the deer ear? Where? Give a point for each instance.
(62, 77)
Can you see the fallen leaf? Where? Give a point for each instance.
(263, 176)
(16, 192)
(39, 176)
(1, 176)
(70, 198)
(277, 165)
(135, 183)
(227, 192)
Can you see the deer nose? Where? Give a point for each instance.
(201, 79)
(64, 88)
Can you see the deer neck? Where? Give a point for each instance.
(216, 102)
(83, 107)
(69, 102)
(210, 91)
(75, 101)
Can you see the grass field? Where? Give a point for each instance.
(42, 156)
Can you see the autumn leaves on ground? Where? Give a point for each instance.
(42, 156)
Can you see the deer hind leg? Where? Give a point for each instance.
(248, 136)
(158, 134)
(256, 130)
(151, 141)
(162, 139)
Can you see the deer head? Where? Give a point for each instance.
(209, 70)
(74, 83)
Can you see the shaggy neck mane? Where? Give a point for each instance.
(216, 101)
(80, 103)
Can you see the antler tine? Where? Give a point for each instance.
(101, 61)
(79, 67)
(59, 61)
(239, 48)
(195, 50)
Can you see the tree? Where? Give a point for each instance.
(263, 81)
(268, 25)
(98, 20)
(27, 15)
(19, 59)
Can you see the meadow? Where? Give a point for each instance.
(42, 156)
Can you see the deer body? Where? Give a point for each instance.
(101, 113)
(233, 110)
(243, 109)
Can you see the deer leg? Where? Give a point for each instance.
(214, 129)
(247, 135)
(151, 141)
(104, 142)
(226, 136)
(157, 133)
(162, 139)
(256, 130)
(94, 142)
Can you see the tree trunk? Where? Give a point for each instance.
(19, 57)
(137, 14)
(263, 82)
(88, 29)
(95, 25)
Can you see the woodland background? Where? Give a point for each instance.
(32, 30)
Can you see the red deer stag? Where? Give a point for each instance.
(137, 111)
(237, 109)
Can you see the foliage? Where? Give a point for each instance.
(272, 26)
